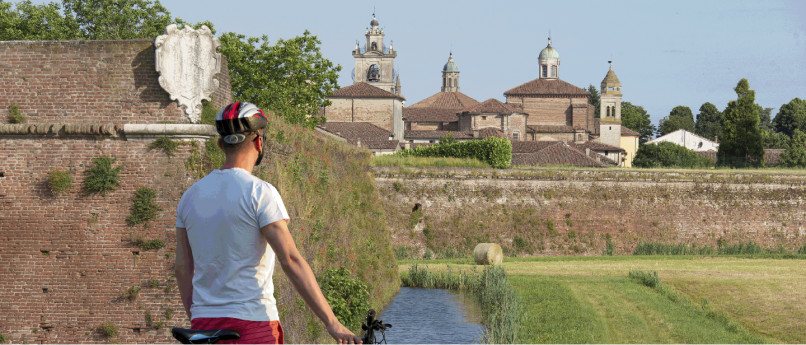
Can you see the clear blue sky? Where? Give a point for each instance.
(666, 53)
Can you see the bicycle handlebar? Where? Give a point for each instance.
(373, 325)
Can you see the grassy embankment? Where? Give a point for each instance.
(702, 299)
(336, 219)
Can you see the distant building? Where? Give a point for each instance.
(688, 140)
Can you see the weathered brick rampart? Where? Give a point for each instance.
(68, 258)
(557, 212)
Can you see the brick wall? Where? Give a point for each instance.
(68, 258)
(72, 81)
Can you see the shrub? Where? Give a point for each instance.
(645, 278)
(108, 329)
(143, 208)
(131, 293)
(3, 338)
(147, 245)
(165, 144)
(14, 115)
(609, 246)
(102, 177)
(494, 151)
(59, 181)
(666, 154)
(348, 297)
(415, 217)
(398, 186)
(802, 249)
(153, 283)
(169, 313)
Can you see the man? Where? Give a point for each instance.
(230, 226)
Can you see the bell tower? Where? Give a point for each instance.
(610, 109)
(450, 76)
(549, 61)
(374, 63)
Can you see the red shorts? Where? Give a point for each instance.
(252, 332)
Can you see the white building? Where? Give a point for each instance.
(688, 140)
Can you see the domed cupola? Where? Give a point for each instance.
(549, 61)
(374, 22)
(450, 76)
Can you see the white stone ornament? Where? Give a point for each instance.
(187, 61)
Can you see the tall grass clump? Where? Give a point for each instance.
(657, 248)
(802, 249)
(143, 208)
(500, 306)
(102, 177)
(740, 248)
(497, 152)
(59, 181)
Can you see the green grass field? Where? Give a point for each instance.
(592, 300)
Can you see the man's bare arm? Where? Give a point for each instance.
(301, 276)
(184, 269)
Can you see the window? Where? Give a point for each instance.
(374, 73)
(515, 136)
(545, 71)
(483, 118)
(553, 71)
(374, 46)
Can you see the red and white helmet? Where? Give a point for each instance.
(239, 118)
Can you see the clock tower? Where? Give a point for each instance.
(374, 63)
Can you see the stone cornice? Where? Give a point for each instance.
(123, 131)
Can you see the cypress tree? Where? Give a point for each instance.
(741, 144)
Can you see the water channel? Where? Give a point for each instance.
(432, 316)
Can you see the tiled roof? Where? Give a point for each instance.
(376, 144)
(556, 153)
(436, 134)
(356, 130)
(547, 87)
(597, 146)
(487, 132)
(530, 146)
(491, 105)
(430, 115)
(550, 129)
(448, 100)
(627, 131)
(363, 90)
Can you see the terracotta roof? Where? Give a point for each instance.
(356, 130)
(376, 144)
(487, 132)
(491, 105)
(549, 129)
(556, 153)
(436, 134)
(530, 146)
(430, 115)
(363, 90)
(597, 146)
(627, 131)
(611, 78)
(547, 87)
(448, 100)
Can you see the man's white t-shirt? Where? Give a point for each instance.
(233, 264)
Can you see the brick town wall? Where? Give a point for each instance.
(462, 207)
(67, 259)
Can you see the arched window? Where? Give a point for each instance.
(608, 111)
(374, 46)
(374, 73)
(553, 71)
(545, 71)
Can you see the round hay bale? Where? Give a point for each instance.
(488, 254)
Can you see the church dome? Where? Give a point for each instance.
(450, 66)
(549, 53)
(374, 22)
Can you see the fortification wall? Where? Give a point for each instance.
(562, 212)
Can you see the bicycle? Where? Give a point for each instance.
(212, 336)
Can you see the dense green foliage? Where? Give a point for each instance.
(666, 154)
(102, 177)
(636, 118)
(143, 208)
(595, 99)
(289, 77)
(771, 139)
(740, 145)
(347, 296)
(795, 155)
(165, 144)
(657, 248)
(500, 306)
(791, 116)
(143, 244)
(709, 121)
(680, 117)
(497, 152)
(444, 162)
(59, 181)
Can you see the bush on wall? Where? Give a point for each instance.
(14, 115)
(59, 181)
(494, 151)
(102, 177)
(143, 208)
(347, 296)
(666, 154)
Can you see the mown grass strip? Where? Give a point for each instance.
(500, 305)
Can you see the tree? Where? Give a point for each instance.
(679, 118)
(795, 156)
(290, 77)
(774, 140)
(84, 20)
(790, 117)
(764, 119)
(594, 100)
(636, 118)
(709, 121)
(741, 143)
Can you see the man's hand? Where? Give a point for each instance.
(342, 334)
